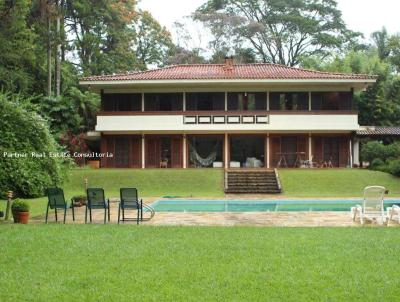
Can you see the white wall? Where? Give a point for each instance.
(303, 122)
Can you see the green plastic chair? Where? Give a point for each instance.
(56, 200)
(96, 200)
(130, 200)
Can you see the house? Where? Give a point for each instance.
(228, 116)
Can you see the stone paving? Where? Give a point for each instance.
(279, 219)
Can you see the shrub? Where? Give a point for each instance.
(24, 132)
(20, 206)
(372, 150)
(376, 164)
(394, 167)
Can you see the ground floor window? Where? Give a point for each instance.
(205, 151)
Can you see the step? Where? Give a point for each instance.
(229, 191)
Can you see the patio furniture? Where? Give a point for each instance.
(130, 200)
(164, 163)
(394, 210)
(234, 164)
(299, 159)
(282, 160)
(96, 200)
(252, 162)
(372, 207)
(217, 164)
(56, 200)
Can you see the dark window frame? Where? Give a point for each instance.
(205, 101)
(289, 101)
(163, 101)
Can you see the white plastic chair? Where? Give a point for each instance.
(372, 207)
(394, 210)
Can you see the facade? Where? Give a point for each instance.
(228, 116)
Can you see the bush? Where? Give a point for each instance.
(372, 150)
(20, 206)
(24, 132)
(376, 164)
(394, 167)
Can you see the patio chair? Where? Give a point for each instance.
(372, 207)
(56, 201)
(394, 210)
(130, 200)
(96, 200)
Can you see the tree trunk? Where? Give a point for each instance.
(58, 50)
(48, 56)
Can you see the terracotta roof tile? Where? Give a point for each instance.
(264, 71)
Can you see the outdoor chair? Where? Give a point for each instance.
(130, 200)
(56, 201)
(96, 200)
(394, 210)
(372, 207)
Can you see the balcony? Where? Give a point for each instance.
(218, 121)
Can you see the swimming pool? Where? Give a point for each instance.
(257, 205)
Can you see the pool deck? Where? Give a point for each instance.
(262, 219)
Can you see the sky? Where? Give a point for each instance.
(365, 16)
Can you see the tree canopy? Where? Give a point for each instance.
(278, 31)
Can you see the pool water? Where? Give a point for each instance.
(257, 205)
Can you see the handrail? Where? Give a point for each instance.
(278, 181)
(151, 209)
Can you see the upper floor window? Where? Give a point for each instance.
(243, 101)
(121, 102)
(163, 101)
(288, 101)
(209, 101)
(332, 100)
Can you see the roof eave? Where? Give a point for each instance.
(222, 81)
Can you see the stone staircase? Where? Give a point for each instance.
(252, 181)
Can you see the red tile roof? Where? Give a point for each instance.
(264, 71)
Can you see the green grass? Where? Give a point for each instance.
(129, 263)
(150, 183)
(335, 182)
(209, 183)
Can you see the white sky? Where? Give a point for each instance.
(365, 16)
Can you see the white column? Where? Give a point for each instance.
(309, 101)
(356, 151)
(351, 152)
(226, 144)
(142, 102)
(309, 147)
(267, 100)
(184, 101)
(143, 152)
(184, 152)
(267, 159)
(226, 101)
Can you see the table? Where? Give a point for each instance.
(282, 158)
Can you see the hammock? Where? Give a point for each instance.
(200, 161)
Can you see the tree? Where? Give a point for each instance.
(381, 40)
(152, 42)
(17, 48)
(180, 55)
(25, 132)
(101, 35)
(279, 31)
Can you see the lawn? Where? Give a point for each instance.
(335, 182)
(209, 183)
(129, 263)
